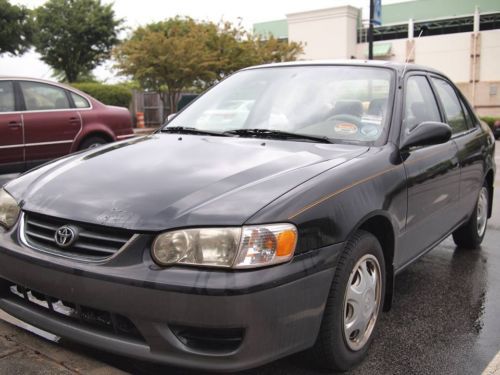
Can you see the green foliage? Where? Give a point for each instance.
(236, 49)
(167, 56)
(82, 77)
(15, 28)
(490, 120)
(75, 36)
(119, 95)
(177, 54)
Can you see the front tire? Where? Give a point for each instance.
(353, 306)
(92, 142)
(471, 234)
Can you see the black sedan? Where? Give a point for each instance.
(269, 217)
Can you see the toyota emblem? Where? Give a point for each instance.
(66, 235)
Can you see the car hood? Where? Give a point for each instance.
(167, 180)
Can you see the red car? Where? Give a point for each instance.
(496, 129)
(41, 120)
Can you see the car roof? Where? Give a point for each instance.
(398, 66)
(21, 78)
(53, 83)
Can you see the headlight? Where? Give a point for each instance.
(247, 247)
(9, 210)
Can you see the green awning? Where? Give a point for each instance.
(382, 49)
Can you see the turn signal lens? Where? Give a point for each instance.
(286, 243)
(264, 245)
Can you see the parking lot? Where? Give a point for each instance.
(444, 320)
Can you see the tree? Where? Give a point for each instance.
(180, 53)
(167, 57)
(75, 36)
(237, 49)
(275, 50)
(15, 28)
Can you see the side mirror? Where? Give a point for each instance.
(427, 133)
(171, 116)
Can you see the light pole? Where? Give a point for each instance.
(370, 32)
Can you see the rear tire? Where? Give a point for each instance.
(92, 142)
(471, 234)
(353, 305)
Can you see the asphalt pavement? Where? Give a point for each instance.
(445, 320)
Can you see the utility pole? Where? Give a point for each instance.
(370, 32)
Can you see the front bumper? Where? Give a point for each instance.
(278, 310)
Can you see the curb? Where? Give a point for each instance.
(493, 367)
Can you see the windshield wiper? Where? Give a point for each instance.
(277, 134)
(190, 130)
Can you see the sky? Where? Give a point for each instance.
(140, 12)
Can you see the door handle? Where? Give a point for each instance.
(14, 125)
(74, 121)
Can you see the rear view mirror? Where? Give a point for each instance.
(427, 133)
(171, 116)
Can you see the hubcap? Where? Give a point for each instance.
(94, 145)
(482, 211)
(362, 301)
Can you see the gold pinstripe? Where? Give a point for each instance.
(356, 183)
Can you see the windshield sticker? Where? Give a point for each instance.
(346, 128)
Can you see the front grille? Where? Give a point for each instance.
(92, 242)
(84, 315)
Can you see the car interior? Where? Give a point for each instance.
(6, 97)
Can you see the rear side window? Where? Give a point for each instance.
(7, 102)
(420, 104)
(80, 101)
(452, 107)
(468, 115)
(40, 96)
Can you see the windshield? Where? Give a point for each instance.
(343, 103)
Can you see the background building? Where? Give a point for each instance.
(461, 38)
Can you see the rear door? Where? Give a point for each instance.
(471, 142)
(433, 175)
(11, 131)
(50, 121)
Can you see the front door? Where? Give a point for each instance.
(11, 131)
(50, 124)
(433, 176)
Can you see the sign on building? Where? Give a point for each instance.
(377, 12)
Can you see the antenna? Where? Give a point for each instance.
(422, 29)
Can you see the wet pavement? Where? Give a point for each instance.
(445, 317)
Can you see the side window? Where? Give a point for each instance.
(40, 96)
(80, 101)
(420, 104)
(7, 102)
(471, 122)
(452, 107)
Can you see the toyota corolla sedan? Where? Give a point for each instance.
(223, 248)
(42, 120)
